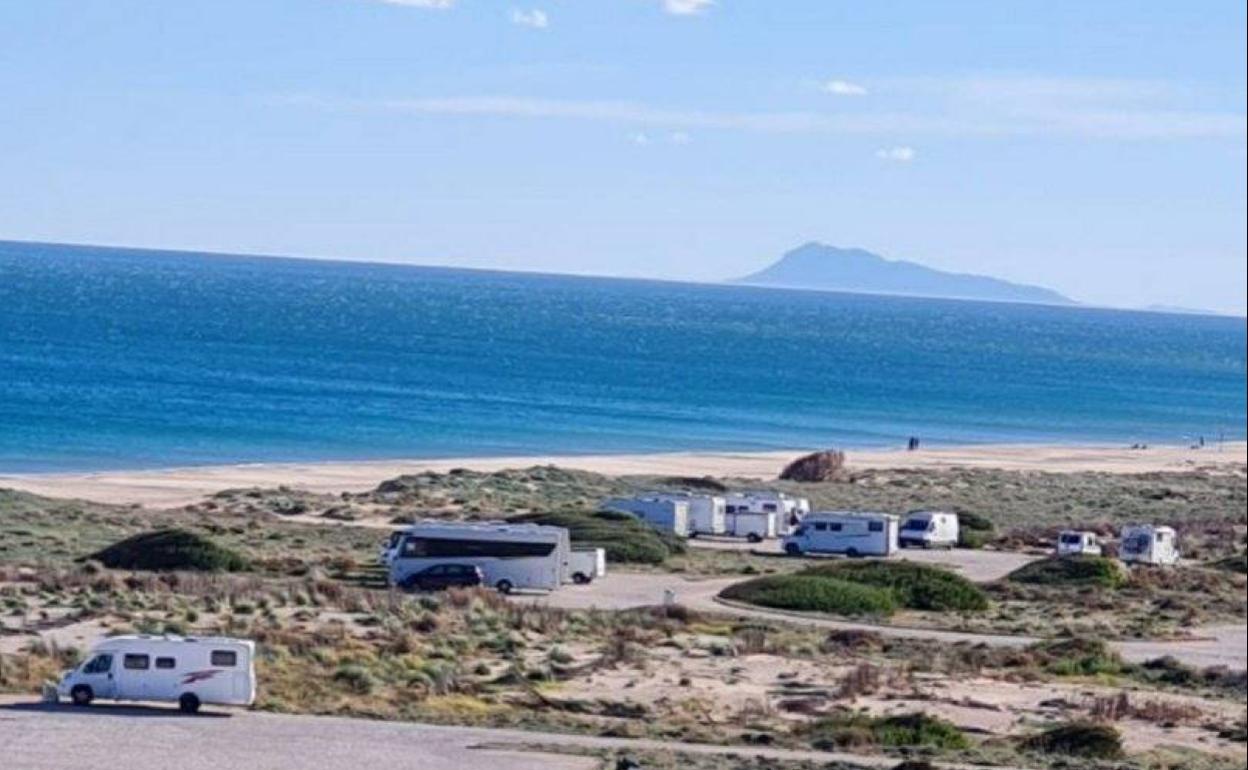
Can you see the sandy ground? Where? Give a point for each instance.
(49, 737)
(180, 486)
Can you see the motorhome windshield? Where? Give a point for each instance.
(919, 525)
(1071, 538)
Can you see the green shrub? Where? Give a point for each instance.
(914, 586)
(856, 730)
(355, 678)
(170, 549)
(625, 538)
(813, 593)
(1078, 739)
(1076, 657)
(1071, 570)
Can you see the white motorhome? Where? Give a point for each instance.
(929, 529)
(755, 526)
(1072, 542)
(789, 510)
(706, 512)
(187, 670)
(850, 533)
(510, 556)
(1148, 544)
(670, 514)
(585, 564)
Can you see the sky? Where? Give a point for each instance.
(1095, 148)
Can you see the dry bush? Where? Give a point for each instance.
(815, 467)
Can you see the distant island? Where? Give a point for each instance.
(828, 268)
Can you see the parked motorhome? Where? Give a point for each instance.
(850, 533)
(510, 556)
(1072, 542)
(670, 514)
(585, 565)
(789, 510)
(754, 526)
(190, 671)
(929, 529)
(706, 512)
(1148, 544)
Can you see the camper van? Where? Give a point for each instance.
(189, 671)
(1078, 543)
(850, 533)
(788, 510)
(667, 513)
(1148, 544)
(585, 565)
(510, 556)
(929, 529)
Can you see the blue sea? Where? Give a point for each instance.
(119, 358)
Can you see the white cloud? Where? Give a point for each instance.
(534, 19)
(640, 138)
(686, 7)
(901, 154)
(843, 88)
(932, 108)
(440, 5)
(679, 137)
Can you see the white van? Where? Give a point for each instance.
(586, 564)
(929, 529)
(188, 670)
(1072, 542)
(850, 533)
(1148, 544)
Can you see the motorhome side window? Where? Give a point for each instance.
(136, 662)
(769, 507)
(166, 663)
(224, 658)
(834, 526)
(875, 526)
(463, 549)
(99, 665)
(820, 526)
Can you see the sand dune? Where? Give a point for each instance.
(178, 486)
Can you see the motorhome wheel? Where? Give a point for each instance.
(504, 586)
(188, 703)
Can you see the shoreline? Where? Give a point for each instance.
(172, 487)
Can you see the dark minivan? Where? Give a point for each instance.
(442, 576)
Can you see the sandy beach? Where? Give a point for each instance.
(179, 486)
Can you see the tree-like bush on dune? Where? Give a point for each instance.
(170, 549)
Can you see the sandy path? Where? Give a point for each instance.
(179, 486)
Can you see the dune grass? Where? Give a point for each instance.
(170, 549)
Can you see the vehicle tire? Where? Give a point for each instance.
(792, 549)
(81, 695)
(753, 537)
(504, 586)
(852, 553)
(188, 703)
(581, 579)
(693, 534)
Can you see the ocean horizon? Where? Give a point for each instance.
(114, 358)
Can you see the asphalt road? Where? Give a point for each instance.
(36, 736)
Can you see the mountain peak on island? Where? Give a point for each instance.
(819, 266)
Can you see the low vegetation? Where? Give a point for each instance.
(855, 730)
(1072, 571)
(170, 549)
(626, 539)
(862, 588)
(1087, 740)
